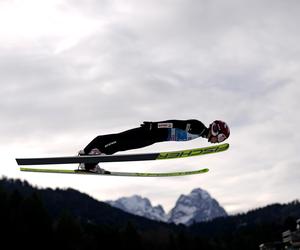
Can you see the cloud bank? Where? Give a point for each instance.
(70, 70)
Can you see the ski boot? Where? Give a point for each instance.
(90, 167)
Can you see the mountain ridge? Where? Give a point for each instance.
(141, 206)
(197, 206)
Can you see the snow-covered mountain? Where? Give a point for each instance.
(195, 207)
(140, 206)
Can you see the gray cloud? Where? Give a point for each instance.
(154, 60)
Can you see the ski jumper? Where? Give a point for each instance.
(148, 134)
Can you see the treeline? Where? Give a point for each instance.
(27, 223)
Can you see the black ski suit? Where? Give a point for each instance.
(148, 133)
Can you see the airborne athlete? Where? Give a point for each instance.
(152, 132)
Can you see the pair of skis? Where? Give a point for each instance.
(121, 158)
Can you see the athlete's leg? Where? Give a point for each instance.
(130, 139)
(100, 143)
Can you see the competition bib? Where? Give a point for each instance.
(176, 134)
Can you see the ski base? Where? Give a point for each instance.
(111, 173)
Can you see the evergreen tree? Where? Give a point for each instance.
(36, 223)
(68, 232)
(131, 238)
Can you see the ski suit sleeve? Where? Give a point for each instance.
(192, 126)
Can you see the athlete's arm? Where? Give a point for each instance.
(191, 126)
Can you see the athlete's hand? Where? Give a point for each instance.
(147, 125)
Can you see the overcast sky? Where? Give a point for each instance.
(71, 70)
